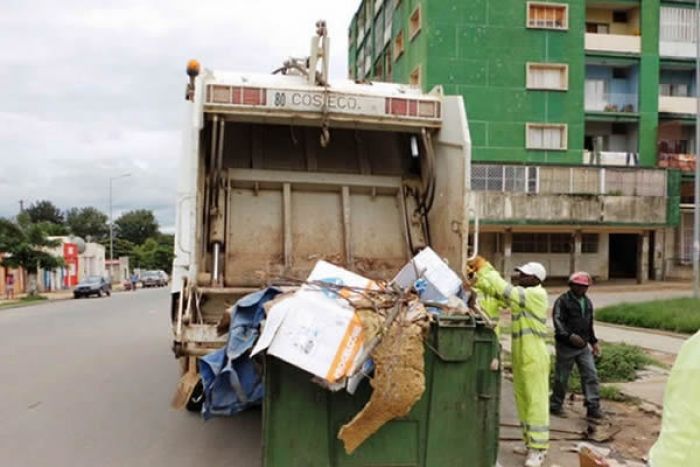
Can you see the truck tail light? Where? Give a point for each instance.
(218, 94)
(251, 96)
(412, 108)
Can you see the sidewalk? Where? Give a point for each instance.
(49, 296)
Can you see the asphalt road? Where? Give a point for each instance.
(88, 383)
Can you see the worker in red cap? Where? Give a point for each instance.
(575, 343)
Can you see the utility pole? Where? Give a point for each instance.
(696, 199)
(111, 222)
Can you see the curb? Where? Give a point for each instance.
(658, 332)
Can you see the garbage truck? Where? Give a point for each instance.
(282, 170)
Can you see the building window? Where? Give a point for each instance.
(415, 77)
(553, 76)
(388, 66)
(560, 243)
(360, 28)
(379, 69)
(547, 15)
(677, 25)
(398, 45)
(377, 6)
(619, 16)
(589, 243)
(546, 136)
(503, 178)
(388, 21)
(414, 23)
(530, 243)
(378, 35)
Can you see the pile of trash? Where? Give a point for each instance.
(341, 328)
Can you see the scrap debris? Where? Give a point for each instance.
(399, 379)
(342, 327)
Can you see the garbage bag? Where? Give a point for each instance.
(232, 381)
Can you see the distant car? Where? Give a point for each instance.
(93, 285)
(164, 278)
(152, 279)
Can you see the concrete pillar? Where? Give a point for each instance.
(507, 254)
(575, 261)
(659, 260)
(643, 258)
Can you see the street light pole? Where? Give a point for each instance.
(111, 223)
(696, 200)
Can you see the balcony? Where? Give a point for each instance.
(683, 162)
(678, 104)
(570, 195)
(611, 158)
(611, 88)
(616, 43)
(613, 28)
(611, 102)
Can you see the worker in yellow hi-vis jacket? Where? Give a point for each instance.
(528, 303)
(679, 440)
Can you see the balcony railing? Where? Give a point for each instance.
(613, 43)
(678, 104)
(617, 158)
(611, 102)
(558, 180)
(684, 162)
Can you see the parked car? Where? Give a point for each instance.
(93, 285)
(164, 277)
(152, 279)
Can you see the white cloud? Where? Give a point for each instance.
(94, 88)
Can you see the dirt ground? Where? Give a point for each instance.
(632, 430)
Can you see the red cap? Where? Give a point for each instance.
(581, 278)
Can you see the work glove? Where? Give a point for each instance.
(476, 264)
(577, 341)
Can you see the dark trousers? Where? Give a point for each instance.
(566, 357)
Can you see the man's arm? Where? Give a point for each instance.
(490, 283)
(561, 331)
(591, 331)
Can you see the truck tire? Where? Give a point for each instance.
(196, 399)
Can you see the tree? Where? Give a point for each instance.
(154, 255)
(121, 247)
(137, 226)
(25, 246)
(88, 223)
(44, 211)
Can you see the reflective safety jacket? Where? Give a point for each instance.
(528, 307)
(679, 440)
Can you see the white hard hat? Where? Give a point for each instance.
(533, 269)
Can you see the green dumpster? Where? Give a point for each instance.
(455, 423)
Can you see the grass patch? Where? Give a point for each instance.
(619, 363)
(23, 301)
(677, 315)
(613, 393)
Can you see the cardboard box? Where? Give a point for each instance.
(442, 282)
(316, 329)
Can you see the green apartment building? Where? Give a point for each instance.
(581, 115)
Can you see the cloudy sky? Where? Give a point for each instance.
(94, 88)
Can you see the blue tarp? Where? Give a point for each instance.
(232, 381)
